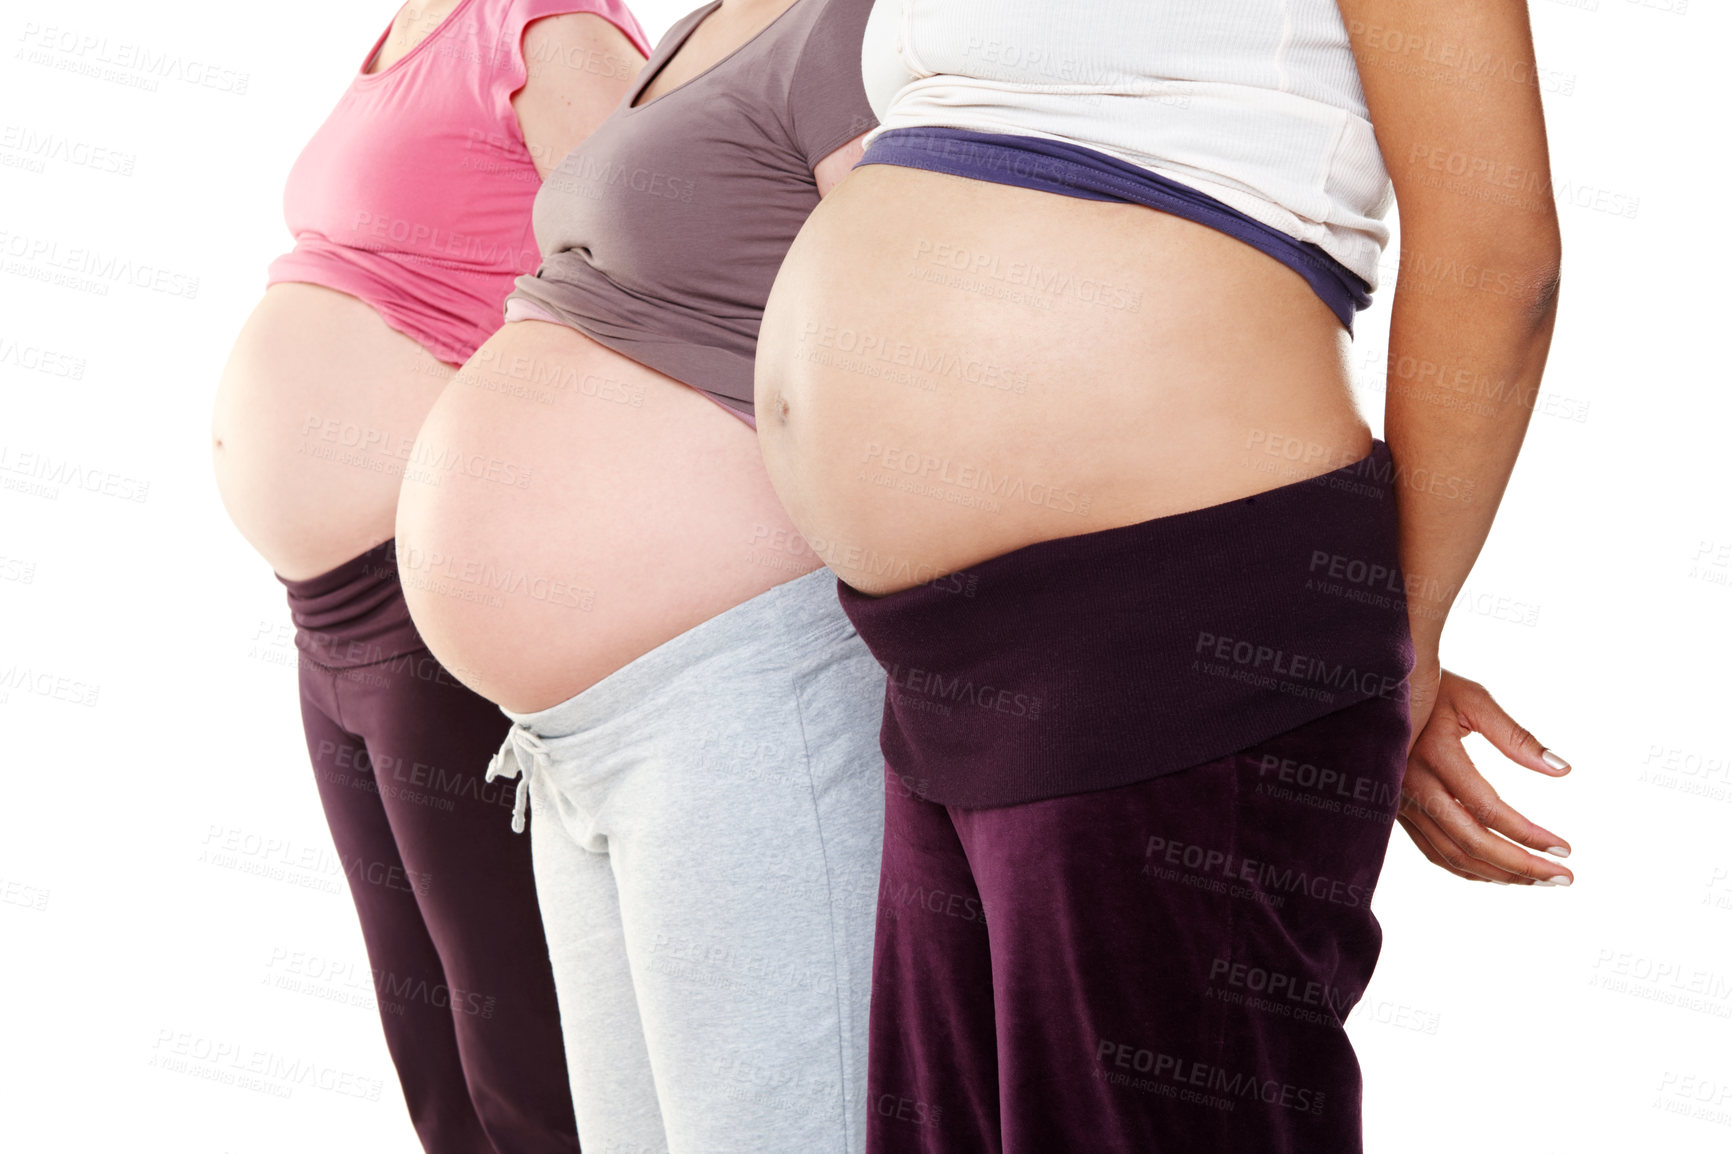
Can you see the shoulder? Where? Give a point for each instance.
(825, 102)
(827, 35)
(832, 21)
(539, 17)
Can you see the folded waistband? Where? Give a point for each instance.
(1094, 661)
(354, 614)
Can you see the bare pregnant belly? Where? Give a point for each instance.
(314, 426)
(607, 509)
(949, 370)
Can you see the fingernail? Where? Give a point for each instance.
(1558, 880)
(1553, 759)
(1559, 851)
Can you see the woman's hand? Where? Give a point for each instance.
(1449, 809)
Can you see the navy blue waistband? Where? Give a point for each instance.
(1072, 170)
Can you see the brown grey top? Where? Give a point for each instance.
(662, 232)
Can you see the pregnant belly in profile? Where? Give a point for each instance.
(594, 510)
(949, 370)
(314, 426)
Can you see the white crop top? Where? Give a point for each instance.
(1255, 102)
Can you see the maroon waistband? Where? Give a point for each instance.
(1094, 661)
(355, 614)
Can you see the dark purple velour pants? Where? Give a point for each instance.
(1159, 967)
(1140, 785)
(443, 887)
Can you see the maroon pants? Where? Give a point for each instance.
(1156, 968)
(443, 887)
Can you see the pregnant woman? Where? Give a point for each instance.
(1159, 614)
(694, 718)
(410, 210)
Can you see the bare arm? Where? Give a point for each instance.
(1451, 89)
(579, 68)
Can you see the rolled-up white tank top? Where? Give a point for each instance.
(1256, 103)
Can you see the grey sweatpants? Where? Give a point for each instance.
(706, 826)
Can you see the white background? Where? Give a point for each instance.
(1549, 1021)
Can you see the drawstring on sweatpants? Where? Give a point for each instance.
(522, 752)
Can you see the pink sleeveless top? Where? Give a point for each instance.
(415, 194)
